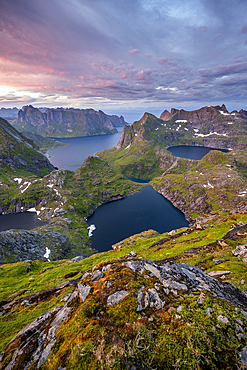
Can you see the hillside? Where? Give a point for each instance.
(155, 301)
(43, 143)
(64, 199)
(121, 309)
(19, 153)
(141, 151)
(66, 122)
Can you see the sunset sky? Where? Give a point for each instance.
(123, 56)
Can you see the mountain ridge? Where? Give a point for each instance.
(66, 122)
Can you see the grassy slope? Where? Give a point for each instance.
(66, 199)
(217, 182)
(83, 331)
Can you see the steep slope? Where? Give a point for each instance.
(114, 310)
(43, 143)
(69, 122)
(141, 150)
(19, 153)
(65, 199)
(219, 181)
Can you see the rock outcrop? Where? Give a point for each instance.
(133, 308)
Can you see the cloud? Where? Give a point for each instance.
(244, 29)
(133, 51)
(80, 50)
(162, 61)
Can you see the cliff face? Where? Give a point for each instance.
(70, 122)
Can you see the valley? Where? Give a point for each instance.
(63, 306)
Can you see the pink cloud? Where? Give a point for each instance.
(244, 29)
(133, 51)
(162, 61)
(148, 56)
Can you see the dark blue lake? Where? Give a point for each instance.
(72, 156)
(24, 220)
(192, 152)
(145, 210)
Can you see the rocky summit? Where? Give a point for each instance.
(135, 314)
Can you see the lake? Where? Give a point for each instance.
(23, 220)
(145, 210)
(72, 156)
(192, 152)
(117, 220)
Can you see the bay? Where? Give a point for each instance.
(192, 152)
(145, 210)
(72, 156)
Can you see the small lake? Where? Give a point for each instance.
(23, 220)
(192, 152)
(72, 156)
(145, 210)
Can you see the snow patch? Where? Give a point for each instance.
(91, 228)
(47, 253)
(127, 147)
(31, 209)
(230, 123)
(27, 183)
(18, 179)
(181, 121)
(209, 186)
(195, 129)
(211, 133)
(186, 129)
(156, 128)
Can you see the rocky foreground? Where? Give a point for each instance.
(137, 314)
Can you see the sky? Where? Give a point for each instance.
(123, 56)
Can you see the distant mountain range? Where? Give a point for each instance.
(66, 122)
(141, 151)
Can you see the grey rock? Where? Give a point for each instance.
(171, 284)
(25, 302)
(241, 250)
(106, 268)
(152, 269)
(84, 291)
(139, 299)
(223, 320)
(133, 254)
(152, 299)
(216, 274)
(243, 355)
(108, 284)
(85, 275)
(239, 328)
(208, 311)
(201, 298)
(117, 297)
(97, 275)
(77, 259)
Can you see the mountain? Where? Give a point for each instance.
(69, 122)
(154, 302)
(19, 153)
(141, 150)
(43, 143)
(9, 112)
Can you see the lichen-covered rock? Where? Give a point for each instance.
(117, 297)
(136, 308)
